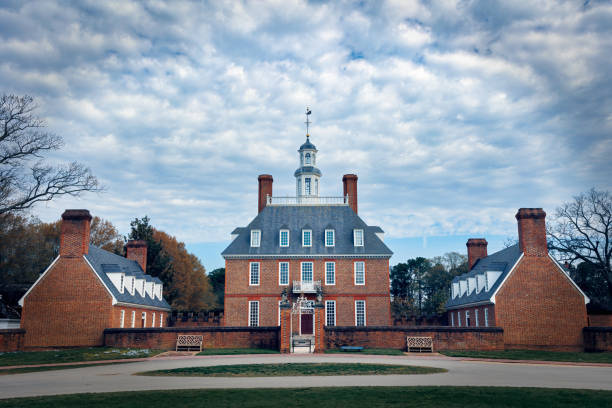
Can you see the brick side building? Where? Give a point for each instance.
(87, 289)
(312, 247)
(521, 289)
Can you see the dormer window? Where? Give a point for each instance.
(255, 238)
(358, 237)
(306, 238)
(330, 238)
(307, 158)
(284, 238)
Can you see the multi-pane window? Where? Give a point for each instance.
(122, 319)
(476, 317)
(358, 237)
(307, 187)
(254, 313)
(459, 319)
(360, 313)
(330, 273)
(153, 320)
(452, 319)
(330, 312)
(255, 238)
(307, 158)
(306, 238)
(144, 319)
(133, 319)
(284, 238)
(306, 271)
(254, 274)
(359, 273)
(467, 318)
(283, 273)
(486, 317)
(330, 239)
(161, 320)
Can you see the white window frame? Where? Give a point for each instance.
(153, 320)
(327, 303)
(355, 273)
(333, 238)
(307, 186)
(311, 271)
(476, 318)
(308, 159)
(486, 313)
(255, 238)
(358, 242)
(280, 281)
(144, 317)
(161, 320)
(458, 319)
(364, 313)
(280, 238)
(250, 319)
(304, 232)
(452, 319)
(251, 264)
(333, 265)
(122, 318)
(133, 318)
(467, 318)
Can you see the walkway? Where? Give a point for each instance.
(119, 377)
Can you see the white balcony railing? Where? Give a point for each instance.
(306, 286)
(307, 200)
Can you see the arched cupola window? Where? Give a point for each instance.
(307, 158)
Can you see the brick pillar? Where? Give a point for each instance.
(319, 316)
(265, 189)
(137, 251)
(532, 231)
(74, 233)
(477, 249)
(285, 328)
(349, 182)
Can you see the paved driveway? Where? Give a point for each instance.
(119, 377)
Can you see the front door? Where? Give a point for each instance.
(306, 323)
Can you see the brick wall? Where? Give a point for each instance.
(445, 338)
(344, 291)
(539, 307)
(68, 307)
(11, 340)
(597, 338)
(600, 320)
(213, 337)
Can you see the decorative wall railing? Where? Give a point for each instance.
(306, 287)
(307, 200)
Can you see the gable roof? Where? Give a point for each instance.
(318, 218)
(104, 262)
(502, 261)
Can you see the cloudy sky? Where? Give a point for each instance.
(453, 113)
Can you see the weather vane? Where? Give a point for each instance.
(308, 122)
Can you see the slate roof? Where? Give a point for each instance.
(501, 261)
(318, 218)
(307, 170)
(105, 262)
(307, 145)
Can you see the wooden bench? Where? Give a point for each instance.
(351, 348)
(419, 344)
(189, 342)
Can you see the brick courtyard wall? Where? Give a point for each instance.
(11, 340)
(539, 308)
(600, 319)
(444, 338)
(213, 337)
(597, 338)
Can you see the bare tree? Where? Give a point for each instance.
(581, 231)
(24, 178)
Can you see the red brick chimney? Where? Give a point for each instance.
(350, 189)
(137, 251)
(265, 190)
(74, 233)
(532, 231)
(477, 249)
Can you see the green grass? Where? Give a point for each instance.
(232, 351)
(579, 357)
(289, 369)
(376, 351)
(24, 370)
(72, 355)
(354, 397)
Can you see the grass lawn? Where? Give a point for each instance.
(50, 368)
(377, 351)
(579, 357)
(277, 370)
(231, 351)
(354, 397)
(72, 355)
